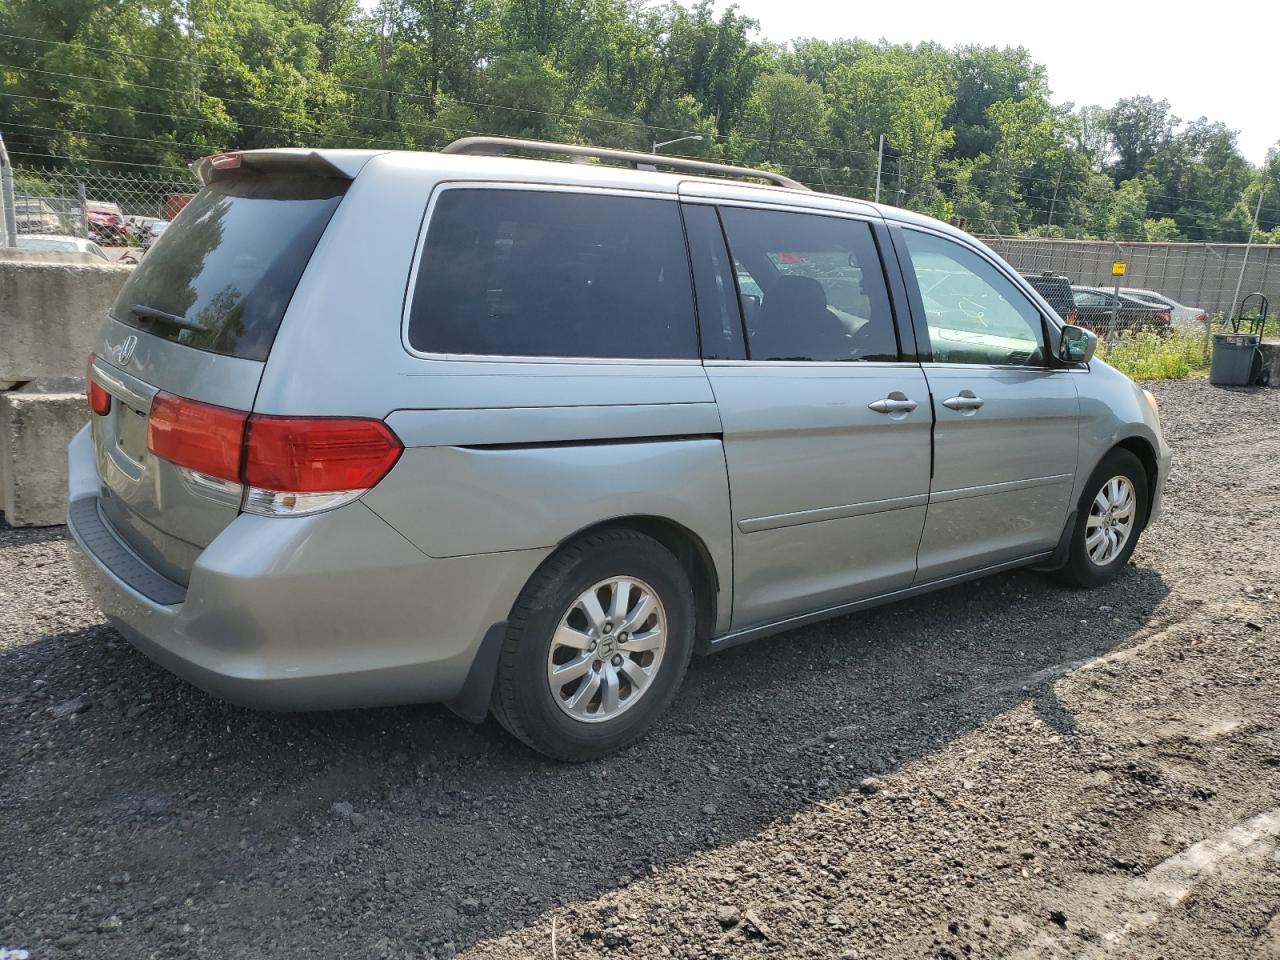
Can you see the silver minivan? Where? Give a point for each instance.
(521, 436)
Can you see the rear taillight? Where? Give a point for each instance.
(303, 464)
(99, 399)
(1162, 317)
(198, 436)
(1072, 315)
(288, 465)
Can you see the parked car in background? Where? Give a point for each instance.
(376, 427)
(1057, 290)
(37, 215)
(106, 223)
(151, 232)
(1180, 315)
(40, 241)
(1095, 305)
(138, 226)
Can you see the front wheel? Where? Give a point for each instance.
(1108, 522)
(596, 647)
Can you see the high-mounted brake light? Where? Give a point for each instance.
(288, 465)
(225, 161)
(99, 399)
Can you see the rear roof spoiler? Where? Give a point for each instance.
(344, 164)
(497, 146)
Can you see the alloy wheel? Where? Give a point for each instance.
(1111, 520)
(607, 649)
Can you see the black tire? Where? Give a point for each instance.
(1080, 570)
(523, 701)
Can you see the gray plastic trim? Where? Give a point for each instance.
(121, 562)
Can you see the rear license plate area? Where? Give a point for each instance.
(131, 432)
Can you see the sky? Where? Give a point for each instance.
(1223, 67)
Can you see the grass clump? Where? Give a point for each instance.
(1149, 356)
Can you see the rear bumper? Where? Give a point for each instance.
(328, 611)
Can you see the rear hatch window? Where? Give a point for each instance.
(222, 275)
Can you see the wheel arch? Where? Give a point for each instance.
(691, 552)
(1141, 448)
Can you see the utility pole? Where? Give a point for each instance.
(879, 167)
(1116, 273)
(1247, 247)
(1054, 202)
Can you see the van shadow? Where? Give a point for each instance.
(407, 832)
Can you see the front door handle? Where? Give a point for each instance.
(965, 400)
(896, 402)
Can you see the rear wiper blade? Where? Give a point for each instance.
(151, 313)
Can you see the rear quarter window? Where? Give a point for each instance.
(553, 274)
(222, 275)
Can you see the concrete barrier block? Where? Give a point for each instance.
(35, 429)
(50, 315)
(47, 256)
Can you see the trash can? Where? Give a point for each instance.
(1233, 359)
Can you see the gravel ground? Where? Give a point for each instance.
(1007, 768)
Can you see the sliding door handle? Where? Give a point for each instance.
(964, 401)
(896, 402)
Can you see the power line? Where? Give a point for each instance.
(294, 131)
(920, 161)
(297, 133)
(251, 103)
(125, 163)
(417, 96)
(348, 86)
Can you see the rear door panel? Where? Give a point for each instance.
(828, 494)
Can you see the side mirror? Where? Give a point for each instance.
(1076, 345)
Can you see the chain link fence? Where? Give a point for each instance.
(114, 209)
(1189, 288)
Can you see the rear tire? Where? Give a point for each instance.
(1109, 520)
(576, 679)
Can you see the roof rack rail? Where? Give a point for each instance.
(496, 146)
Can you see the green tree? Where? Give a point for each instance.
(1127, 218)
(525, 96)
(781, 120)
(983, 77)
(892, 92)
(713, 60)
(1137, 127)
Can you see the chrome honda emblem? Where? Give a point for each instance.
(124, 353)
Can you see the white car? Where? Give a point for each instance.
(61, 242)
(1182, 316)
